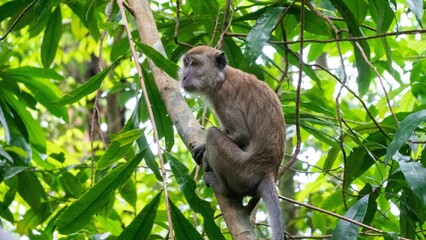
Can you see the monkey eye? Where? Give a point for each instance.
(194, 63)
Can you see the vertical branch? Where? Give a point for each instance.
(151, 116)
(95, 114)
(175, 37)
(226, 23)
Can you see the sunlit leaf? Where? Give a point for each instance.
(182, 227)
(415, 175)
(51, 38)
(79, 213)
(416, 6)
(187, 186)
(141, 226)
(159, 60)
(349, 231)
(260, 33)
(119, 146)
(404, 131)
(37, 136)
(90, 86)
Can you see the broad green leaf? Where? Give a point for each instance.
(128, 192)
(71, 184)
(382, 13)
(28, 223)
(404, 131)
(313, 23)
(31, 190)
(358, 8)
(34, 72)
(119, 147)
(45, 93)
(416, 6)
(260, 33)
(182, 227)
(418, 80)
(349, 231)
(90, 86)
(37, 136)
(364, 70)
(141, 226)
(331, 158)
(415, 175)
(14, 171)
(134, 122)
(162, 120)
(79, 213)
(159, 60)
(51, 38)
(187, 186)
(390, 236)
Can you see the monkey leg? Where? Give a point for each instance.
(230, 174)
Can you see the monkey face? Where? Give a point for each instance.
(202, 68)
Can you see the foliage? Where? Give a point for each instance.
(362, 117)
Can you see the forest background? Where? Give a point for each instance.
(93, 146)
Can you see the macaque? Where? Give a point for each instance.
(243, 157)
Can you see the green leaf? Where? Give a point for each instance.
(159, 60)
(182, 227)
(331, 158)
(71, 184)
(119, 146)
(79, 213)
(364, 70)
(260, 33)
(34, 72)
(390, 236)
(46, 93)
(382, 14)
(415, 175)
(418, 80)
(187, 186)
(37, 136)
(416, 6)
(358, 9)
(51, 38)
(162, 120)
(90, 86)
(141, 226)
(31, 190)
(349, 231)
(404, 131)
(128, 192)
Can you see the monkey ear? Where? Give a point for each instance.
(221, 61)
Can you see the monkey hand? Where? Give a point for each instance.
(198, 153)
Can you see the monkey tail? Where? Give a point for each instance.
(268, 191)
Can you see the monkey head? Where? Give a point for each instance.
(202, 68)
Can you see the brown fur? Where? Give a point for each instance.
(244, 157)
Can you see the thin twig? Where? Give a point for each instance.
(175, 37)
(151, 117)
(334, 215)
(17, 19)
(95, 114)
(349, 39)
(380, 80)
(226, 23)
(299, 86)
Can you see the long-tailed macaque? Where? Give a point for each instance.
(243, 158)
